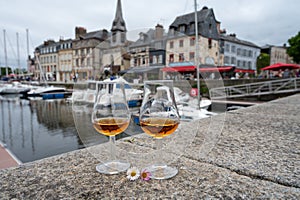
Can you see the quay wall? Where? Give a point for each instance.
(250, 153)
(205, 85)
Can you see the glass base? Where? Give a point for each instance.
(162, 171)
(112, 167)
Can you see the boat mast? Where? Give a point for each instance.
(18, 54)
(28, 56)
(27, 39)
(197, 55)
(5, 52)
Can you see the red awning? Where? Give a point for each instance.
(250, 71)
(179, 69)
(216, 69)
(281, 66)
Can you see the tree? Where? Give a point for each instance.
(3, 71)
(263, 60)
(294, 48)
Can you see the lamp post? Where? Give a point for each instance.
(197, 55)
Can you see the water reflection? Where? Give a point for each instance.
(37, 129)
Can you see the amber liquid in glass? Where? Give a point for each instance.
(159, 127)
(111, 126)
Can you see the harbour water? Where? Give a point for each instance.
(35, 129)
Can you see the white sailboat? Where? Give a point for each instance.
(14, 87)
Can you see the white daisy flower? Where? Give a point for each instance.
(133, 173)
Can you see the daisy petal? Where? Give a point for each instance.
(133, 173)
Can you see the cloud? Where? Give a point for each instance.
(260, 22)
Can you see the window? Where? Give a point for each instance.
(154, 59)
(209, 42)
(238, 51)
(227, 47)
(171, 58)
(181, 57)
(226, 60)
(233, 60)
(233, 49)
(180, 43)
(192, 56)
(244, 63)
(171, 45)
(82, 62)
(172, 31)
(192, 41)
(249, 64)
(244, 52)
(182, 28)
(250, 54)
(160, 59)
(150, 60)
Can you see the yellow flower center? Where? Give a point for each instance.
(144, 175)
(133, 173)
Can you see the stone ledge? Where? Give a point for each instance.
(254, 155)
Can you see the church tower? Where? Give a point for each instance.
(118, 29)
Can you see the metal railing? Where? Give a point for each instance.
(255, 89)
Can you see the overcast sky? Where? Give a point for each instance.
(258, 21)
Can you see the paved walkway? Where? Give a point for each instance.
(250, 153)
(6, 159)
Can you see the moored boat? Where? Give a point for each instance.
(14, 88)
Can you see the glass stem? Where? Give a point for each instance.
(158, 143)
(112, 146)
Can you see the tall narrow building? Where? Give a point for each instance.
(115, 57)
(118, 29)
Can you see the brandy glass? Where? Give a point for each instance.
(110, 117)
(159, 118)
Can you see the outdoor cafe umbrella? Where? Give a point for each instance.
(281, 66)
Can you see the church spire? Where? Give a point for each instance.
(118, 23)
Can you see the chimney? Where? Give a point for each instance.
(105, 34)
(79, 31)
(159, 31)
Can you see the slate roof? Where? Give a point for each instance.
(205, 18)
(189, 18)
(234, 39)
(100, 34)
(149, 38)
(119, 22)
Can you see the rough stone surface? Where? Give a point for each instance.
(250, 153)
